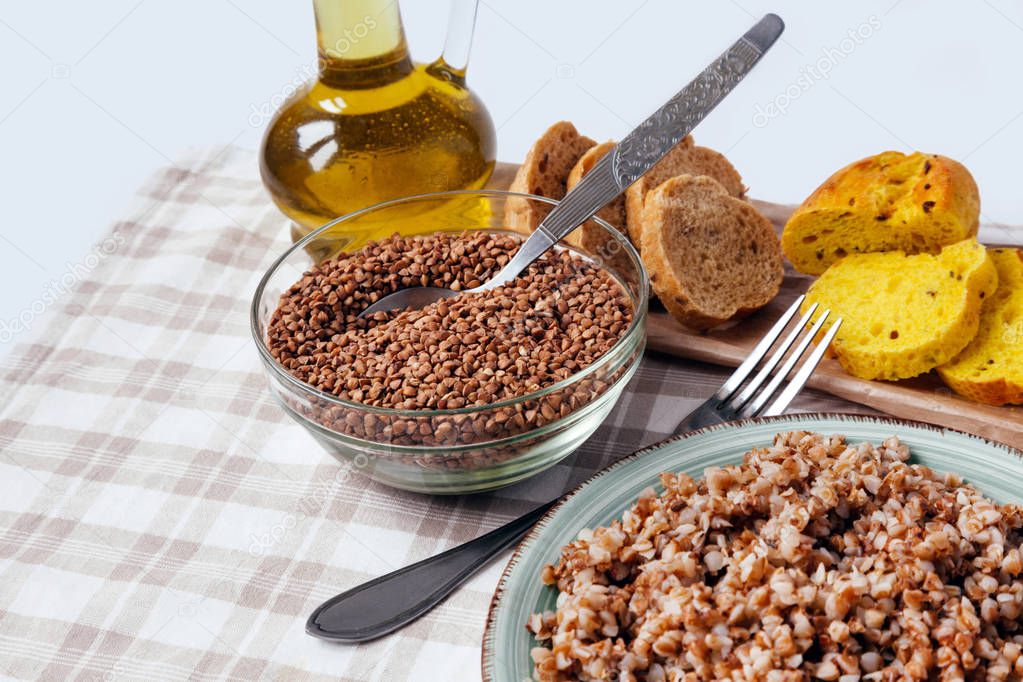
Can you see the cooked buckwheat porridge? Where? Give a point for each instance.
(813, 559)
(557, 318)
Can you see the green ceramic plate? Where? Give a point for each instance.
(995, 469)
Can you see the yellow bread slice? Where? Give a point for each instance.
(990, 369)
(684, 159)
(904, 314)
(891, 201)
(711, 257)
(544, 172)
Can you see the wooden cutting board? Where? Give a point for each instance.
(923, 398)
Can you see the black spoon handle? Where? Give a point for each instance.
(385, 604)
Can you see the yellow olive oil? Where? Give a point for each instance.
(373, 126)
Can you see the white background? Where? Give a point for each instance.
(96, 95)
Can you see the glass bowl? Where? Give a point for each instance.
(453, 450)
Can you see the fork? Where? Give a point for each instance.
(389, 602)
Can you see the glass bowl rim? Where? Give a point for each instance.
(638, 323)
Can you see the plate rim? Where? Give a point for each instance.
(487, 653)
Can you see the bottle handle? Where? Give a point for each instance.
(454, 60)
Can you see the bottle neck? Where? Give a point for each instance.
(361, 42)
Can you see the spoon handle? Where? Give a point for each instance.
(662, 130)
(383, 605)
(646, 144)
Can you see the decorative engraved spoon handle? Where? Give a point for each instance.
(646, 144)
(654, 137)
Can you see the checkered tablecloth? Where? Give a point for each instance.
(162, 519)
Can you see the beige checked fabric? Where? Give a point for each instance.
(162, 519)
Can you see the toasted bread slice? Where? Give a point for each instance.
(613, 213)
(892, 201)
(684, 159)
(904, 314)
(990, 369)
(711, 257)
(591, 237)
(544, 172)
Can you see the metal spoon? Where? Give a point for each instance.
(622, 166)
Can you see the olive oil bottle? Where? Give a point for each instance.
(374, 125)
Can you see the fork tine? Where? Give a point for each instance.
(765, 372)
(758, 403)
(796, 385)
(733, 382)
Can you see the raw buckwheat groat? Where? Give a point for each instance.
(814, 559)
(557, 318)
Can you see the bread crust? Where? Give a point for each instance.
(544, 172)
(891, 201)
(995, 392)
(990, 368)
(664, 223)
